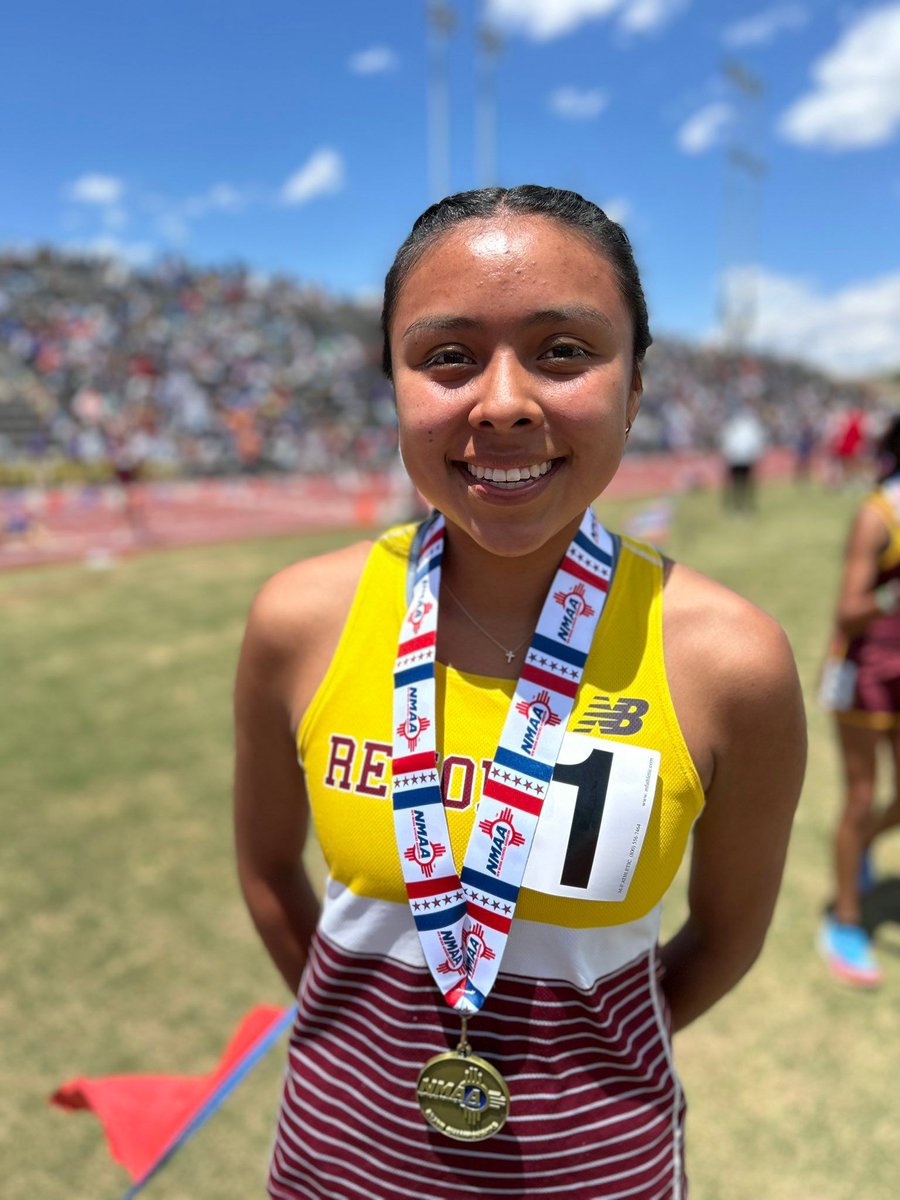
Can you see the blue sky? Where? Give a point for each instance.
(294, 137)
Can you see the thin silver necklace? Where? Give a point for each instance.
(510, 654)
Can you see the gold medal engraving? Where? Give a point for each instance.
(462, 1096)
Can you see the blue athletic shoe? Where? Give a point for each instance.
(848, 953)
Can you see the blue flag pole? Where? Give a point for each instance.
(225, 1087)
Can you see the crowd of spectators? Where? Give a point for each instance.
(691, 392)
(183, 371)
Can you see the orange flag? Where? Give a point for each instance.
(147, 1117)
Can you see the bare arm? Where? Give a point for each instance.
(858, 603)
(270, 808)
(755, 732)
(292, 631)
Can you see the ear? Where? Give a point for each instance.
(633, 405)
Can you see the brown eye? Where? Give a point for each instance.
(448, 358)
(565, 350)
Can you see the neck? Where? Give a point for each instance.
(499, 583)
(504, 595)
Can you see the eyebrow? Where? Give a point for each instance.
(429, 324)
(574, 312)
(544, 316)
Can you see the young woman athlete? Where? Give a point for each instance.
(866, 649)
(508, 722)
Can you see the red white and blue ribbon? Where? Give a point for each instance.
(463, 920)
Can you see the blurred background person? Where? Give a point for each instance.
(804, 446)
(742, 442)
(127, 451)
(847, 445)
(862, 685)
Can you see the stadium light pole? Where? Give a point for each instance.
(490, 45)
(745, 170)
(441, 23)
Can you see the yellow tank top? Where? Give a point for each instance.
(344, 740)
(886, 502)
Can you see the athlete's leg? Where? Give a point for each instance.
(888, 817)
(859, 747)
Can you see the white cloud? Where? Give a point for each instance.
(135, 254)
(618, 209)
(855, 102)
(854, 331)
(644, 16)
(322, 173)
(762, 28)
(95, 189)
(704, 129)
(221, 197)
(542, 20)
(578, 104)
(173, 227)
(102, 193)
(225, 197)
(376, 60)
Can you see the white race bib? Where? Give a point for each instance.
(594, 819)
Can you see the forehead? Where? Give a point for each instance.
(521, 251)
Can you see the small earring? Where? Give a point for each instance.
(627, 430)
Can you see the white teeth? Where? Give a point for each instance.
(512, 475)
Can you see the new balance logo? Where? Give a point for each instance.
(624, 717)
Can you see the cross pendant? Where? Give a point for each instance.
(510, 655)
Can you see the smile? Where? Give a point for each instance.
(511, 476)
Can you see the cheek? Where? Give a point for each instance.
(601, 400)
(421, 423)
(418, 438)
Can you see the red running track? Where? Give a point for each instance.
(99, 524)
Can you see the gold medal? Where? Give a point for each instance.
(461, 1095)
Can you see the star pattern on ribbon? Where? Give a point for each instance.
(513, 787)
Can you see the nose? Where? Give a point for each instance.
(506, 396)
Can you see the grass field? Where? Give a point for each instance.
(127, 949)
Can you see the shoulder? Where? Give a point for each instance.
(874, 518)
(302, 599)
(731, 669)
(293, 628)
(868, 537)
(720, 629)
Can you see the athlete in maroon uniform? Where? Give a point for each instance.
(867, 621)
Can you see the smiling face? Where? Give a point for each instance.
(514, 377)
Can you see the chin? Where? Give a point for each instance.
(508, 539)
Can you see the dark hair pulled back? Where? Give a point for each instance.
(569, 208)
(889, 449)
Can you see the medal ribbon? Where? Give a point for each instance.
(463, 921)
